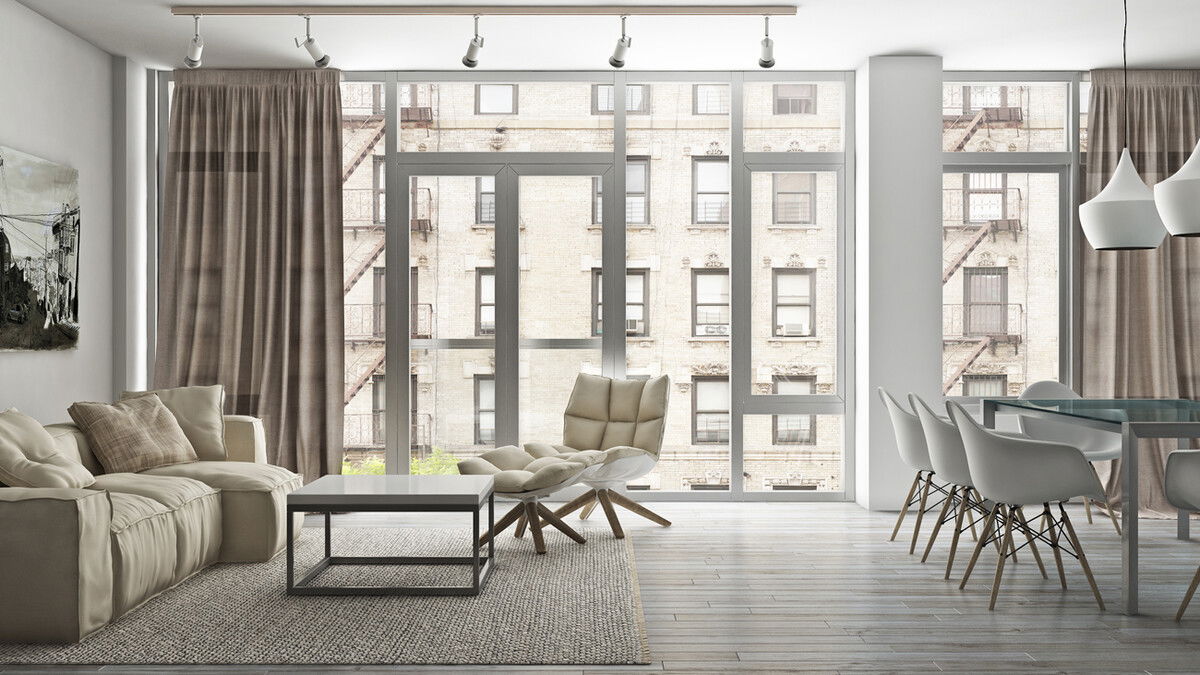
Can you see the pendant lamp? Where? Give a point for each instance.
(1178, 198)
(1123, 217)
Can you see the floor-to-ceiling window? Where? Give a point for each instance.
(1011, 147)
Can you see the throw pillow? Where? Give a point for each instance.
(132, 435)
(30, 458)
(200, 413)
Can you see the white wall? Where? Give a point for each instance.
(56, 91)
(898, 259)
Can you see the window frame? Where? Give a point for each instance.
(812, 418)
(643, 109)
(812, 198)
(968, 191)
(714, 159)
(696, 98)
(378, 189)
(515, 98)
(778, 272)
(598, 193)
(597, 275)
(696, 411)
(698, 272)
(480, 273)
(479, 193)
(478, 378)
(1002, 378)
(776, 98)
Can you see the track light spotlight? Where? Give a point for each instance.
(472, 57)
(195, 47)
(766, 57)
(617, 60)
(319, 57)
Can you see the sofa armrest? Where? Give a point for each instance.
(245, 439)
(56, 573)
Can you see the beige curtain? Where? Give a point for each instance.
(250, 260)
(1141, 309)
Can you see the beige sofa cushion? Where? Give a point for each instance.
(200, 413)
(253, 505)
(194, 506)
(142, 535)
(132, 435)
(516, 471)
(29, 456)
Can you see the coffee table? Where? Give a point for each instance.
(337, 494)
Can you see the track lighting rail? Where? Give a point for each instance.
(484, 10)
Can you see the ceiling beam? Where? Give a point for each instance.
(483, 10)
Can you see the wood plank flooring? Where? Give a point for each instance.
(773, 587)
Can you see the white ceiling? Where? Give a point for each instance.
(826, 34)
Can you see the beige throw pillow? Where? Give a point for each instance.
(30, 458)
(133, 435)
(200, 413)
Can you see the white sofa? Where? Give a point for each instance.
(72, 560)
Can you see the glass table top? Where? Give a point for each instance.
(1116, 410)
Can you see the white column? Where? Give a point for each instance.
(129, 252)
(898, 259)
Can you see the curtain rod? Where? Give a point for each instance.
(483, 10)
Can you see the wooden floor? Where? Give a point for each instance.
(817, 587)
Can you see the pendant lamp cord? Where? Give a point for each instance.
(1125, 70)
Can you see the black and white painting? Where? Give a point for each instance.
(39, 253)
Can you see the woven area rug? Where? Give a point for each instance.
(578, 604)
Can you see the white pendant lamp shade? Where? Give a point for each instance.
(1123, 216)
(1178, 198)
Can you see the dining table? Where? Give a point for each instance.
(1134, 420)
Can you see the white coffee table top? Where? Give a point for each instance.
(394, 490)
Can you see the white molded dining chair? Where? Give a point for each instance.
(1096, 445)
(1183, 491)
(1012, 472)
(910, 440)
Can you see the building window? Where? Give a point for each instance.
(985, 385)
(485, 200)
(710, 410)
(795, 99)
(710, 302)
(794, 198)
(985, 301)
(485, 301)
(794, 429)
(984, 197)
(710, 99)
(378, 404)
(485, 410)
(378, 189)
(379, 301)
(637, 193)
(793, 291)
(637, 99)
(710, 190)
(495, 99)
(637, 296)
(975, 97)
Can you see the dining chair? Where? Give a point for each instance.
(1183, 491)
(1096, 445)
(910, 440)
(1012, 472)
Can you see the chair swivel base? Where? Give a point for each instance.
(535, 515)
(608, 499)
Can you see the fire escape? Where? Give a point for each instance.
(364, 323)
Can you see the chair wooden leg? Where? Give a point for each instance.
(1004, 548)
(520, 531)
(937, 525)
(1047, 517)
(1020, 515)
(963, 507)
(1087, 570)
(1087, 507)
(558, 524)
(587, 510)
(1188, 596)
(579, 502)
(983, 537)
(535, 526)
(502, 524)
(611, 513)
(904, 509)
(1112, 516)
(621, 500)
(979, 501)
(912, 547)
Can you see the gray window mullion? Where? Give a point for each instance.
(507, 290)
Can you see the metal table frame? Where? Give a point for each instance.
(1130, 432)
(481, 566)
